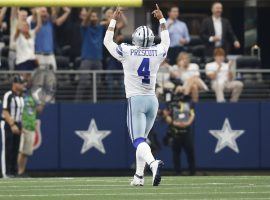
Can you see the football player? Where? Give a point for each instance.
(141, 62)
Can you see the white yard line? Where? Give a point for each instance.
(111, 179)
(130, 194)
(41, 181)
(201, 185)
(53, 188)
(26, 180)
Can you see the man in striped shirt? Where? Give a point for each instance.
(13, 104)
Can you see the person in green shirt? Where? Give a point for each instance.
(29, 120)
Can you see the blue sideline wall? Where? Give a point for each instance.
(61, 146)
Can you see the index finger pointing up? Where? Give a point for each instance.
(157, 6)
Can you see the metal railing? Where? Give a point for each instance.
(99, 85)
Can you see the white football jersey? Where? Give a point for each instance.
(140, 64)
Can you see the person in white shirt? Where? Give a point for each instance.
(24, 41)
(164, 78)
(221, 77)
(16, 15)
(190, 76)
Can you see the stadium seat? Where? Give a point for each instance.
(197, 50)
(208, 60)
(4, 64)
(195, 40)
(62, 62)
(77, 62)
(195, 59)
(248, 62)
(5, 51)
(65, 50)
(6, 39)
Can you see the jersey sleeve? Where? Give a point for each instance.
(120, 50)
(164, 45)
(6, 100)
(115, 50)
(162, 53)
(165, 40)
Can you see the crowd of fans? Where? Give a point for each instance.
(38, 34)
(35, 36)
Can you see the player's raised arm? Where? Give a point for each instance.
(114, 49)
(164, 34)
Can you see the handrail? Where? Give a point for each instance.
(121, 71)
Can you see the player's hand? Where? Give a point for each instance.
(117, 14)
(15, 130)
(157, 13)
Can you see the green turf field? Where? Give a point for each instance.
(102, 188)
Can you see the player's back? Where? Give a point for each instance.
(141, 65)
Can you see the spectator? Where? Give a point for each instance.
(92, 41)
(217, 31)
(3, 26)
(180, 116)
(2, 14)
(29, 123)
(190, 76)
(179, 34)
(44, 44)
(92, 47)
(164, 79)
(24, 39)
(111, 63)
(16, 15)
(221, 77)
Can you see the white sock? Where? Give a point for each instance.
(140, 165)
(144, 151)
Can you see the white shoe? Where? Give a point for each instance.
(155, 167)
(137, 181)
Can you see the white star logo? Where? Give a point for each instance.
(93, 138)
(226, 137)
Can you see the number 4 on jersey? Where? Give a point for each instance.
(144, 71)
